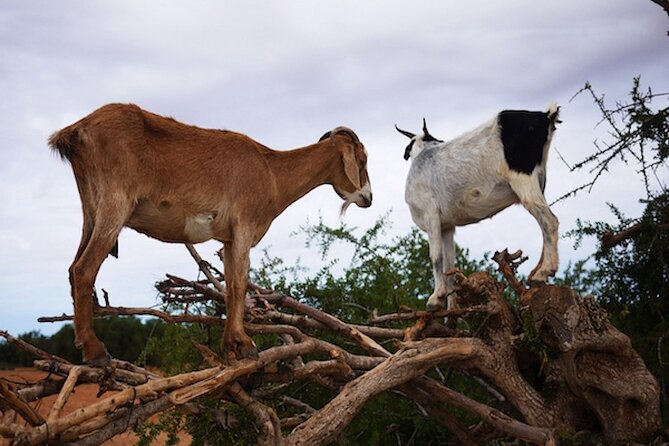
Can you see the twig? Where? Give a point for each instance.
(65, 393)
(309, 323)
(266, 419)
(125, 311)
(610, 239)
(136, 415)
(296, 420)
(18, 405)
(425, 314)
(90, 374)
(506, 266)
(40, 390)
(204, 267)
(46, 432)
(331, 322)
(435, 408)
(499, 420)
(289, 401)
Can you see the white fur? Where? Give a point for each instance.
(359, 197)
(466, 180)
(198, 228)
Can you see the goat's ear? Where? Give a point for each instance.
(351, 167)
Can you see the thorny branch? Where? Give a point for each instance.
(639, 133)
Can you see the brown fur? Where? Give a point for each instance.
(184, 184)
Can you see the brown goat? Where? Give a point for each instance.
(183, 184)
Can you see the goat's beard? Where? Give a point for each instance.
(344, 206)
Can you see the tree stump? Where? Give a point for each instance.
(609, 381)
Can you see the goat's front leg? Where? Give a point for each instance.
(549, 224)
(236, 265)
(529, 192)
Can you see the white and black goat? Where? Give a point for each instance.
(473, 177)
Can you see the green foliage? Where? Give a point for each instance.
(11, 356)
(392, 419)
(632, 280)
(579, 278)
(125, 338)
(640, 136)
(530, 341)
(382, 274)
(174, 348)
(206, 429)
(168, 422)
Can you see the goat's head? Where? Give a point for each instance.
(351, 182)
(418, 142)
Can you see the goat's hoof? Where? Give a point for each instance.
(104, 361)
(535, 283)
(244, 348)
(436, 302)
(451, 322)
(433, 307)
(248, 352)
(95, 354)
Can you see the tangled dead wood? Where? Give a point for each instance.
(557, 366)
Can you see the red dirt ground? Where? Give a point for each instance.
(83, 396)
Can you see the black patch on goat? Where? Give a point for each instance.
(524, 135)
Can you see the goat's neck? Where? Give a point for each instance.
(297, 172)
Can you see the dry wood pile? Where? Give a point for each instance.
(591, 380)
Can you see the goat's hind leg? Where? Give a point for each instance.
(448, 250)
(529, 192)
(97, 240)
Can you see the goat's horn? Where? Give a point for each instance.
(425, 132)
(404, 132)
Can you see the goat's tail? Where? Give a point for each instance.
(67, 141)
(553, 113)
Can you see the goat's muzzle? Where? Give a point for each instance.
(366, 201)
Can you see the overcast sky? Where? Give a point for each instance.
(284, 72)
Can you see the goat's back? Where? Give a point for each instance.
(466, 178)
(132, 141)
(125, 149)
